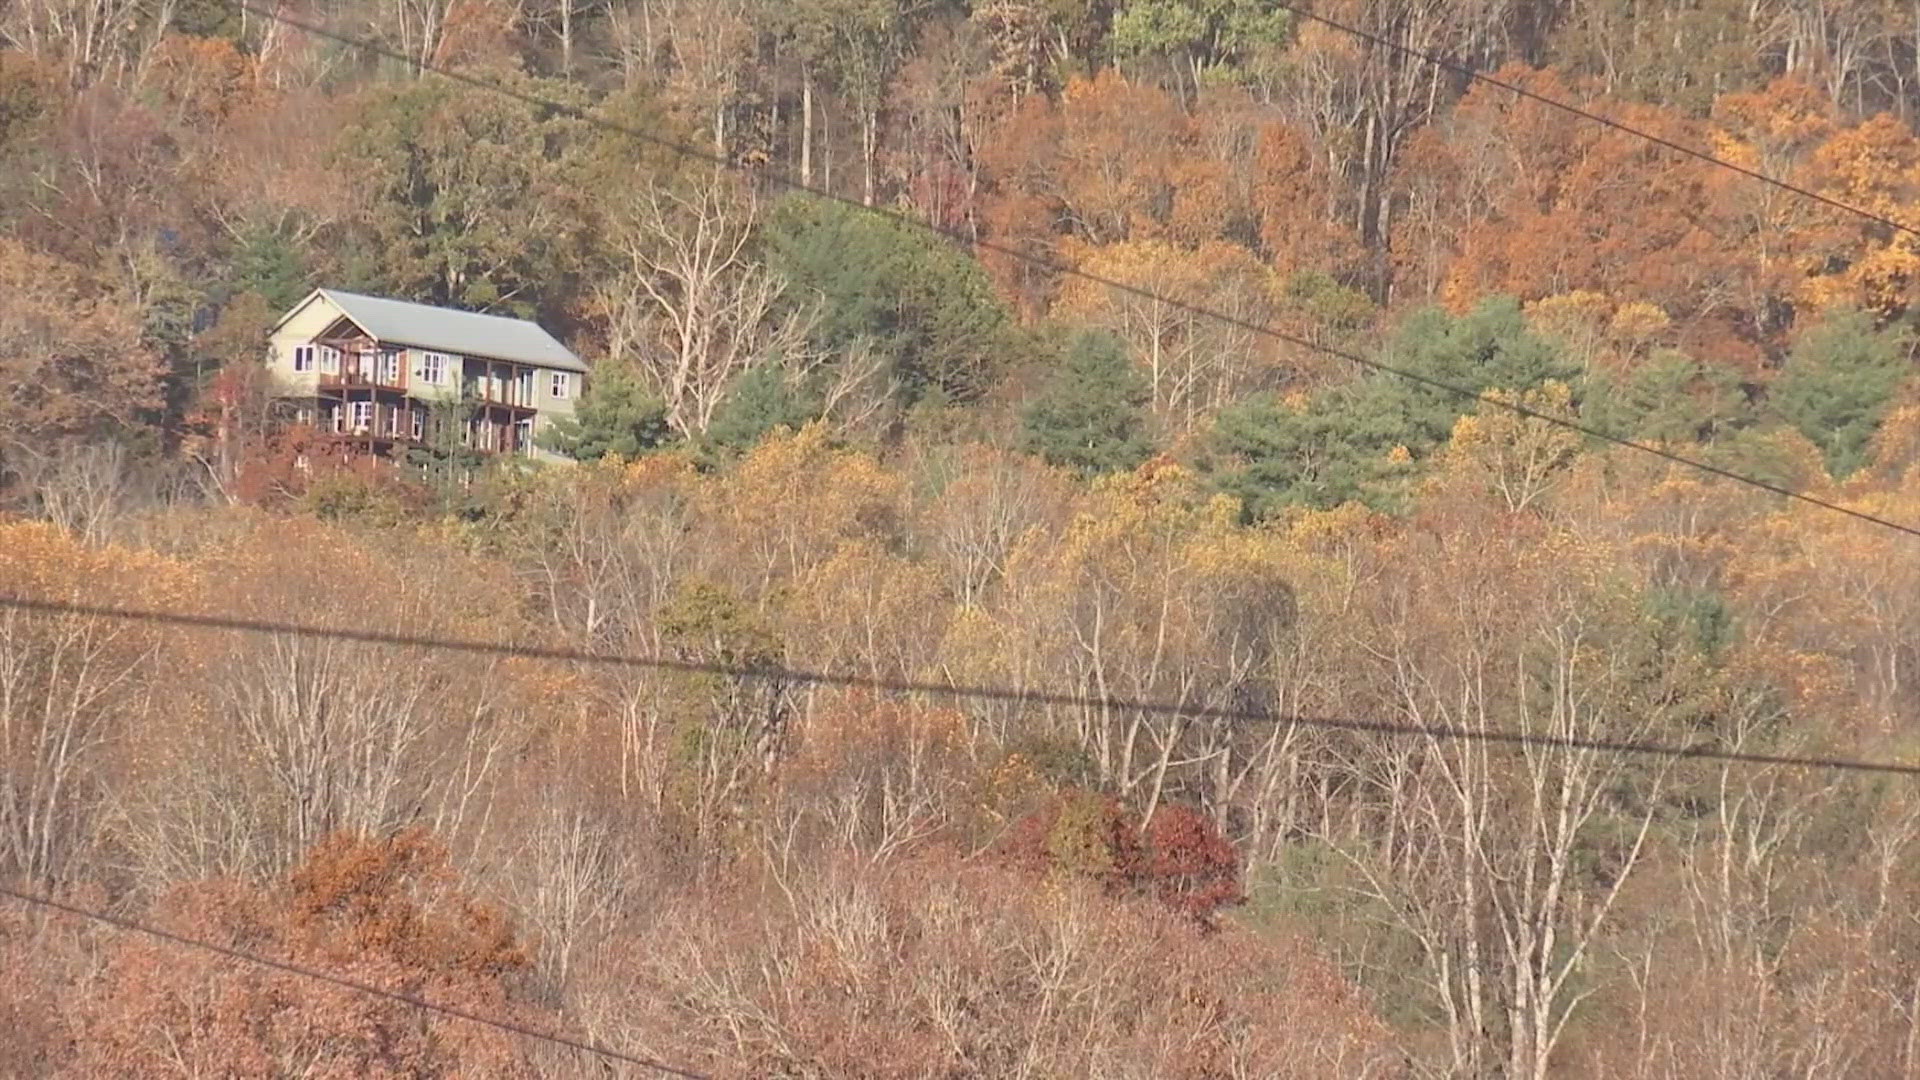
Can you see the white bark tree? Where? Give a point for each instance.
(691, 302)
(1503, 863)
(68, 685)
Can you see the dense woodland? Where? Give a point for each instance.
(821, 438)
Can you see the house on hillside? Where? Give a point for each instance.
(376, 376)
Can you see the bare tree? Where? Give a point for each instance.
(601, 555)
(562, 21)
(637, 33)
(298, 738)
(335, 749)
(1503, 865)
(987, 502)
(415, 27)
(91, 37)
(68, 685)
(690, 301)
(695, 48)
(81, 487)
(567, 882)
(1364, 101)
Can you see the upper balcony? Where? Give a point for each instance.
(494, 383)
(344, 364)
(356, 380)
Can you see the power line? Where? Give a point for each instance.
(1586, 114)
(1015, 695)
(130, 926)
(696, 153)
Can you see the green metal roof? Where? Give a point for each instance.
(468, 333)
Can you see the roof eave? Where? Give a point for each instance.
(573, 363)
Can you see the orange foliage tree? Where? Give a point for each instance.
(385, 912)
(72, 358)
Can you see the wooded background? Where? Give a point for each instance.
(823, 438)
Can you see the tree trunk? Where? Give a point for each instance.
(868, 133)
(806, 126)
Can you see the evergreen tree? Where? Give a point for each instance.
(921, 302)
(1091, 416)
(1671, 398)
(1839, 380)
(268, 263)
(1361, 441)
(1490, 348)
(761, 398)
(617, 416)
(1336, 448)
(444, 464)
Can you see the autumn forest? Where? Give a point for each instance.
(1020, 450)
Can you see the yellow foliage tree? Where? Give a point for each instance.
(1518, 457)
(1874, 167)
(1194, 365)
(789, 505)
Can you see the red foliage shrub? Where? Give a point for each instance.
(1190, 866)
(1179, 858)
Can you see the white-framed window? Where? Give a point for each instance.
(396, 423)
(523, 386)
(433, 368)
(419, 424)
(562, 385)
(387, 370)
(303, 358)
(361, 415)
(329, 360)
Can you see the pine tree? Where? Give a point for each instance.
(1091, 416)
(1838, 383)
(1339, 447)
(915, 299)
(761, 398)
(617, 416)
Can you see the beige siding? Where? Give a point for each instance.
(551, 407)
(305, 324)
(417, 384)
(543, 398)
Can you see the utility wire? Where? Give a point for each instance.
(1574, 110)
(696, 153)
(132, 927)
(955, 691)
